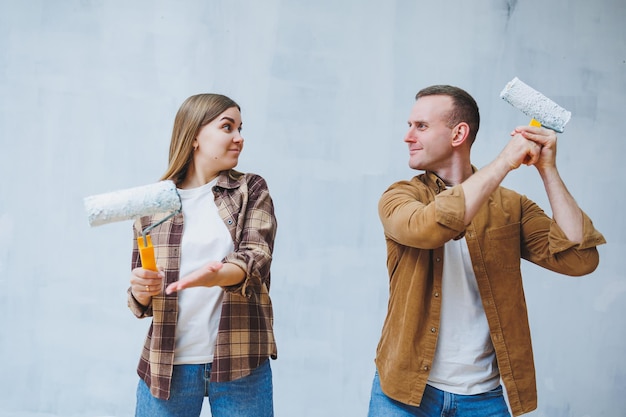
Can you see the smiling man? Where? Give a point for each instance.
(457, 323)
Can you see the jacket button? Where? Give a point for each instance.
(425, 367)
(433, 330)
(436, 294)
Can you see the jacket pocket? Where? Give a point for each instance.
(504, 247)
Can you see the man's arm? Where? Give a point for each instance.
(478, 187)
(565, 211)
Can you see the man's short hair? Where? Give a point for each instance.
(464, 107)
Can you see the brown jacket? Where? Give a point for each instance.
(418, 217)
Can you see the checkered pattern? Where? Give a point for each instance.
(245, 336)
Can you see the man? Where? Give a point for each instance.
(457, 322)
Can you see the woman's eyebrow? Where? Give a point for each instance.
(230, 119)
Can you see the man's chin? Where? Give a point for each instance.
(414, 165)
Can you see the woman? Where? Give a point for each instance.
(214, 338)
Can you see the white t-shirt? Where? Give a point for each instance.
(205, 238)
(465, 361)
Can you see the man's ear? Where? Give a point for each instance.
(460, 134)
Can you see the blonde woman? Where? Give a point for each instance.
(211, 333)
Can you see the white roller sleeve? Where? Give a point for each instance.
(132, 203)
(534, 104)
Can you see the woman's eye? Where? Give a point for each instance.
(227, 127)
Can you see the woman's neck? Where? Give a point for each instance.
(196, 179)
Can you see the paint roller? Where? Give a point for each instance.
(543, 111)
(133, 203)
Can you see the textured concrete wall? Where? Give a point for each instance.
(88, 92)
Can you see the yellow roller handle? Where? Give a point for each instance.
(535, 123)
(146, 253)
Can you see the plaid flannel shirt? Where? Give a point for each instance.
(245, 335)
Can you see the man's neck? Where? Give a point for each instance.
(455, 174)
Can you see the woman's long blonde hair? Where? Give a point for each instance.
(194, 113)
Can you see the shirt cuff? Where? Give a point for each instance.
(138, 309)
(242, 287)
(559, 241)
(450, 205)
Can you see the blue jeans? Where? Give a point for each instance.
(250, 396)
(437, 403)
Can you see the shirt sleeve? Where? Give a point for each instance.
(559, 241)
(139, 310)
(413, 215)
(545, 244)
(254, 250)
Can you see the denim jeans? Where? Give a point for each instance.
(437, 403)
(250, 396)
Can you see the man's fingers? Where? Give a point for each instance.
(533, 154)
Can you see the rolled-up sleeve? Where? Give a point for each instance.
(411, 217)
(545, 243)
(256, 241)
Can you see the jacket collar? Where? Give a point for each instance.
(435, 182)
(229, 179)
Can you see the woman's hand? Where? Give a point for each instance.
(144, 284)
(203, 277)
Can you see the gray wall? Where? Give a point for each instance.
(88, 92)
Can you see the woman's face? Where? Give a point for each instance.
(219, 143)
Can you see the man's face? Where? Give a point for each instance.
(428, 137)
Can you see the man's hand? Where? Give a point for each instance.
(565, 210)
(528, 145)
(521, 149)
(545, 139)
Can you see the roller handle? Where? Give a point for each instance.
(146, 253)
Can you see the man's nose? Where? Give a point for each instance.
(409, 137)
